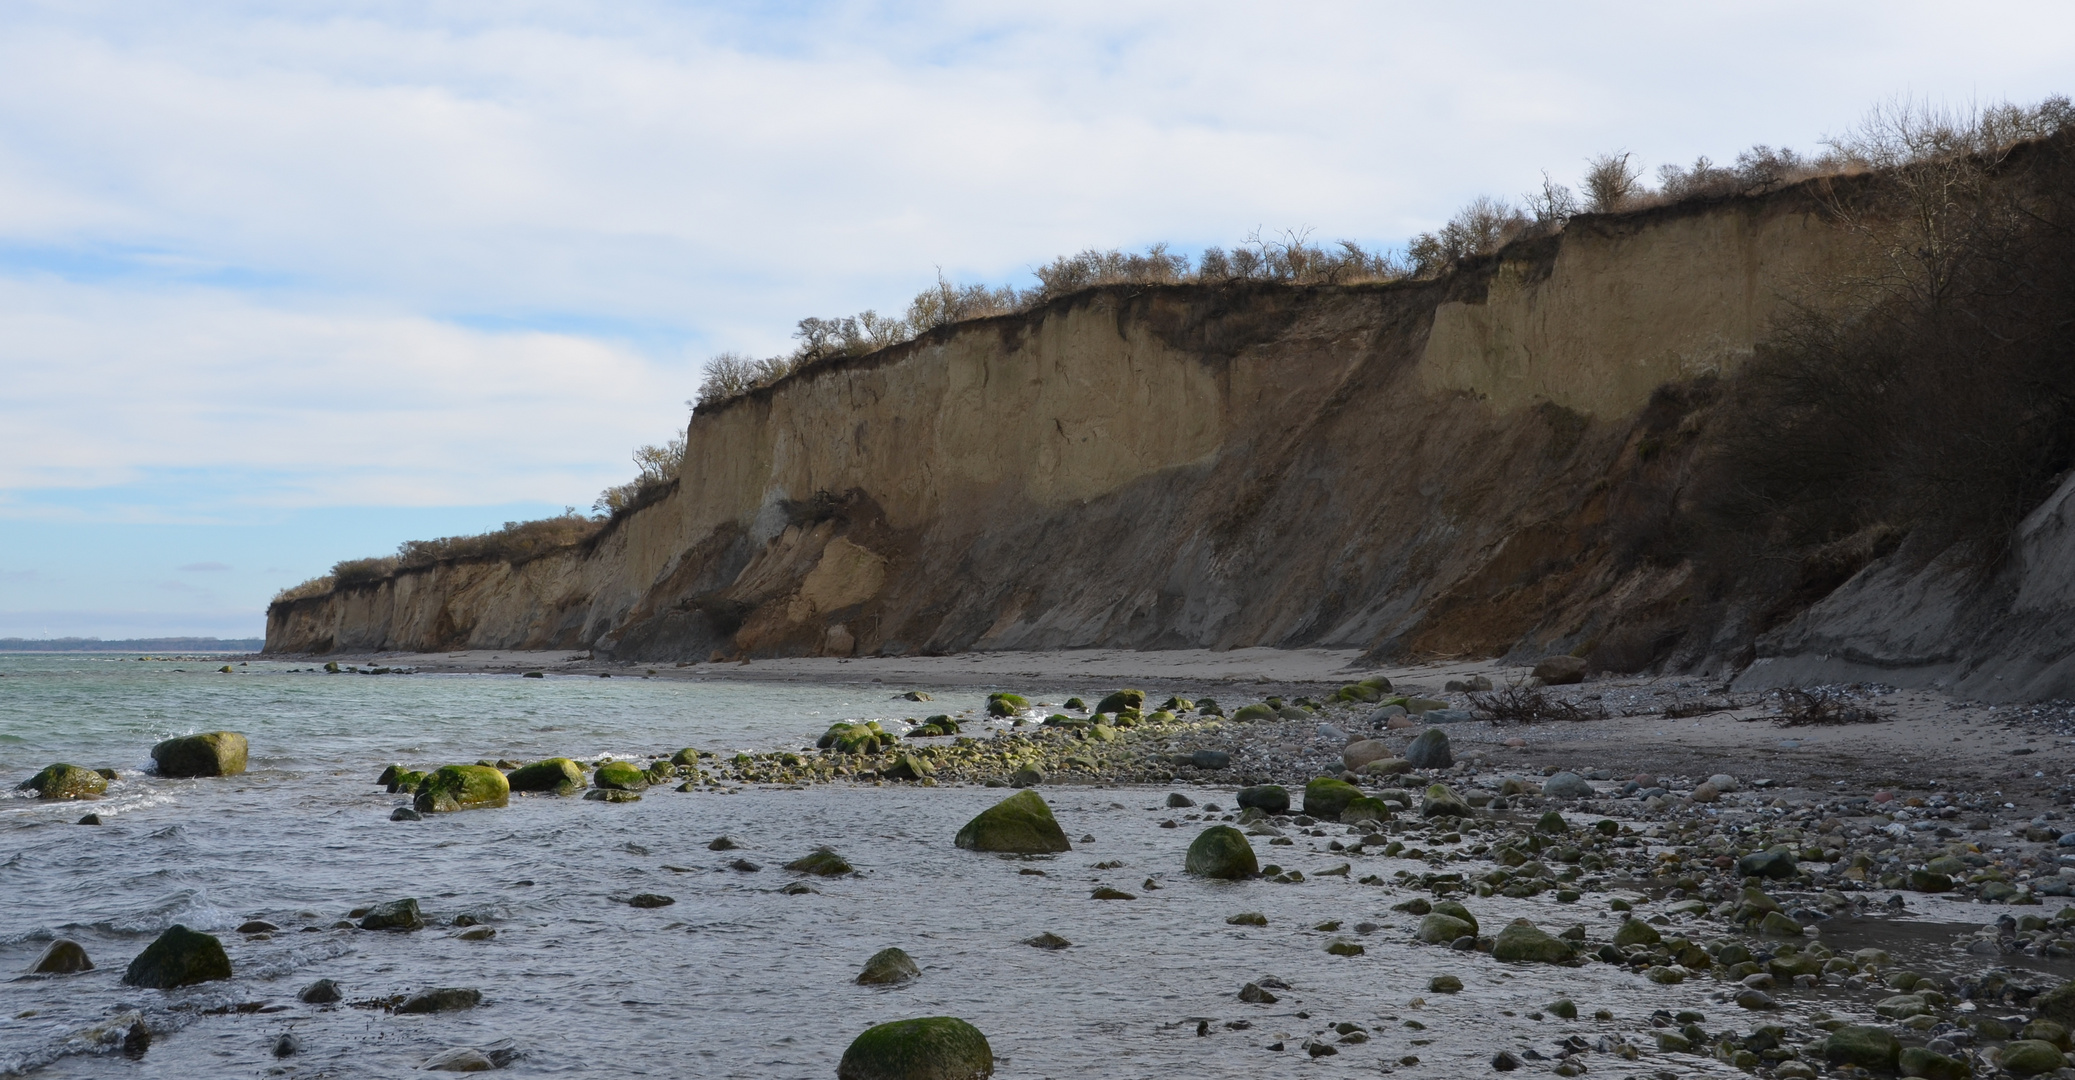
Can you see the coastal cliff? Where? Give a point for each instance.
(1471, 465)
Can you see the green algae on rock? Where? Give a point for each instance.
(619, 776)
(213, 753)
(559, 775)
(1858, 1044)
(1326, 796)
(1222, 851)
(1441, 801)
(926, 1048)
(1134, 700)
(821, 862)
(179, 957)
(62, 781)
(1522, 940)
(864, 737)
(1436, 928)
(462, 787)
(1020, 824)
(888, 967)
(400, 915)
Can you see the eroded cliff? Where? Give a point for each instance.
(1435, 467)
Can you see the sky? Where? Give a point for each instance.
(284, 284)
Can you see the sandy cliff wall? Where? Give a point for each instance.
(1434, 467)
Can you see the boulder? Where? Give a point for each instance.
(1005, 704)
(1364, 808)
(1364, 751)
(611, 795)
(444, 999)
(1442, 801)
(1429, 750)
(1455, 910)
(821, 862)
(1777, 864)
(1268, 798)
(1438, 929)
(321, 992)
(2057, 1004)
(557, 774)
(1567, 785)
(1209, 759)
(1560, 670)
(1931, 1065)
(1048, 940)
(1027, 776)
(62, 781)
(1122, 700)
(1634, 931)
(866, 737)
(61, 957)
(1391, 766)
(462, 787)
(1326, 796)
(401, 915)
(689, 756)
(907, 767)
(619, 776)
(1021, 824)
(1258, 711)
(214, 753)
(1867, 1047)
(2031, 1057)
(1222, 851)
(1521, 940)
(928, 1048)
(180, 957)
(887, 967)
(459, 1059)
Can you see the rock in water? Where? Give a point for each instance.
(459, 1059)
(462, 787)
(887, 967)
(1222, 851)
(62, 781)
(1047, 940)
(1176, 800)
(445, 999)
(1567, 785)
(557, 774)
(1560, 670)
(821, 862)
(1633, 932)
(1326, 796)
(1439, 929)
(929, 1048)
(1122, 700)
(619, 776)
(394, 915)
(1522, 940)
(1364, 808)
(1268, 798)
(1430, 750)
(321, 992)
(215, 753)
(1858, 1044)
(1442, 801)
(2057, 1004)
(1021, 824)
(180, 957)
(907, 767)
(2031, 1057)
(61, 957)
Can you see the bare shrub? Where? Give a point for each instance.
(1481, 227)
(350, 572)
(517, 541)
(1821, 707)
(1552, 206)
(657, 466)
(1526, 705)
(316, 586)
(1612, 182)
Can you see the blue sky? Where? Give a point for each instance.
(282, 284)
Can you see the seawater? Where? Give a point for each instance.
(736, 978)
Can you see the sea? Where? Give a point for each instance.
(736, 976)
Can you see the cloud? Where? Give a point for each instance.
(205, 567)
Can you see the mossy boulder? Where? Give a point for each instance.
(1267, 798)
(2031, 1057)
(1122, 700)
(180, 957)
(1455, 910)
(1254, 712)
(1002, 704)
(908, 767)
(687, 756)
(888, 967)
(927, 1048)
(557, 774)
(1522, 940)
(1021, 824)
(619, 776)
(404, 780)
(821, 862)
(1441, 801)
(401, 916)
(1633, 932)
(934, 727)
(1865, 1046)
(462, 787)
(62, 781)
(1438, 929)
(1358, 692)
(213, 753)
(62, 957)
(1326, 796)
(1364, 808)
(865, 737)
(1931, 1065)
(2057, 1004)
(1222, 851)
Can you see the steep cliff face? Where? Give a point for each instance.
(1438, 467)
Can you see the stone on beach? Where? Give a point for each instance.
(1430, 750)
(452, 788)
(926, 1048)
(1222, 851)
(1567, 785)
(619, 776)
(62, 781)
(1560, 670)
(1522, 940)
(1326, 796)
(214, 753)
(1364, 751)
(1269, 798)
(179, 957)
(1441, 801)
(1021, 824)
